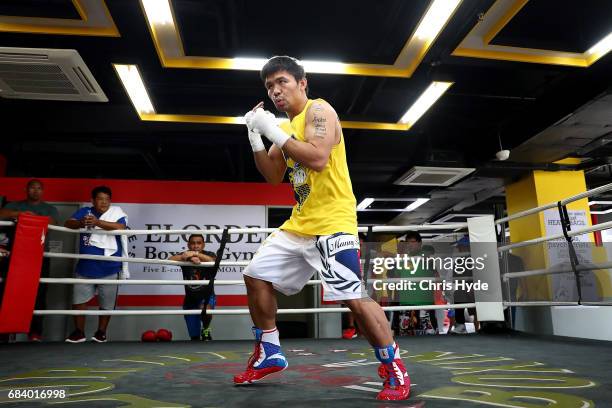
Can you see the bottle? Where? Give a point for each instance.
(89, 227)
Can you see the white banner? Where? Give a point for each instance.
(240, 247)
(564, 285)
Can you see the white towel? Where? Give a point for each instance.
(125, 270)
(108, 242)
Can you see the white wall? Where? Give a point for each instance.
(587, 322)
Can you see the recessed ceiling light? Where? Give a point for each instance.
(365, 203)
(414, 204)
(433, 92)
(158, 12)
(133, 84)
(435, 19)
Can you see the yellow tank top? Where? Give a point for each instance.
(325, 201)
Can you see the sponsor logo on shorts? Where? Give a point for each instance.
(341, 243)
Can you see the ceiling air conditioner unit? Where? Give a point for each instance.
(51, 74)
(433, 176)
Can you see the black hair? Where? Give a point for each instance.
(282, 63)
(101, 189)
(195, 235)
(413, 235)
(33, 181)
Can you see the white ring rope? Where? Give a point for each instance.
(164, 232)
(548, 206)
(71, 281)
(541, 303)
(381, 228)
(236, 311)
(588, 193)
(556, 270)
(6, 223)
(141, 260)
(594, 228)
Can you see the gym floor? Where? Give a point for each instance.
(505, 370)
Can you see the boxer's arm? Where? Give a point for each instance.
(319, 135)
(271, 164)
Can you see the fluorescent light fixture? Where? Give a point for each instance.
(433, 92)
(132, 82)
(435, 18)
(158, 12)
(602, 47)
(448, 218)
(599, 202)
(240, 120)
(251, 64)
(416, 204)
(325, 67)
(365, 203)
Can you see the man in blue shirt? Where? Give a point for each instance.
(106, 217)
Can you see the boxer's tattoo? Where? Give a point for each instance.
(320, 126)
(319, 121)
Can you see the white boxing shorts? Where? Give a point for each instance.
(288, 261)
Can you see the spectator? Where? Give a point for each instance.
(462, 295)
(439, 314)
(100, 216)
(416, 321)
(198, 296)
(34, 205)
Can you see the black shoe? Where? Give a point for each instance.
(195, 338)
(76, 336)
(99, 337)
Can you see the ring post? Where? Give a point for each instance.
(24, 274)
(483, 245)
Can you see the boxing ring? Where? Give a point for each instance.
(508, 369)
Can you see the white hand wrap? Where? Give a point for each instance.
(265, 123)
(254, 136)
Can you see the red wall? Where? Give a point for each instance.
(154, 191)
